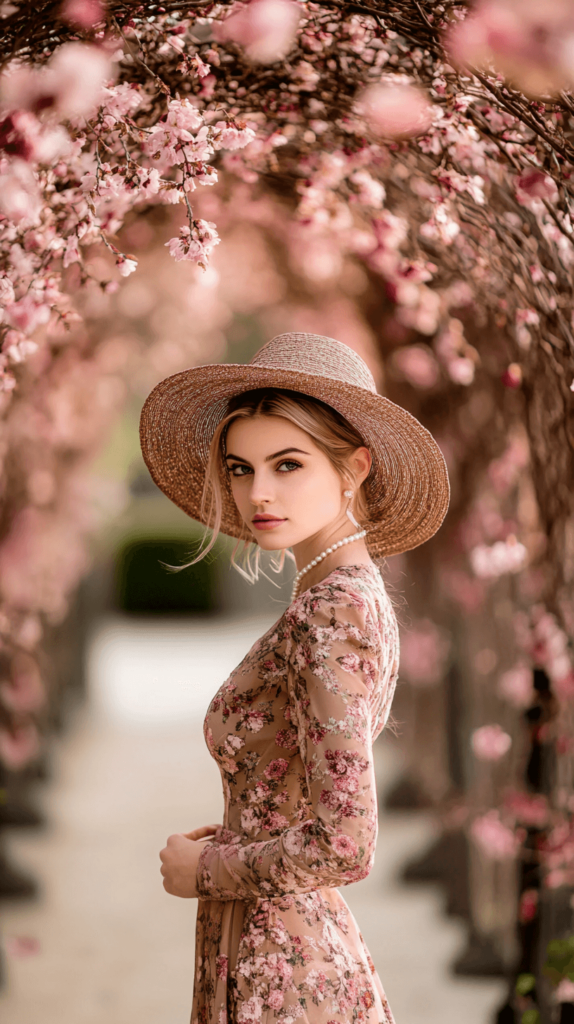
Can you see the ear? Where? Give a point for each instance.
(360, 464)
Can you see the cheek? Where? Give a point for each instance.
(239, 493)
(315, 494)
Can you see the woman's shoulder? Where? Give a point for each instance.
(348, 584)
(349, 595)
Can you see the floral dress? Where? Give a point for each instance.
(292, 731)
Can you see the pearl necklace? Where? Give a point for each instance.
(319, 558)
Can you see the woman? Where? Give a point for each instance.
(294, 451)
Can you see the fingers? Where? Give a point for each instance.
(176, 847)
(202, 833)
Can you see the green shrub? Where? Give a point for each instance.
(145, 585)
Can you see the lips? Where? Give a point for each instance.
(266, 522)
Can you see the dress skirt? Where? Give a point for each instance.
(297, 958)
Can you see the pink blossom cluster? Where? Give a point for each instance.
(342, 187)
(496, 839)
(557, 855)
(529, 43)
(163, 160)
(531, 809)
(528, 907)
(490, 742)
(505, 471)
(265, 29)
(120, 162)
(550, 648)
(515, 685)
(507, 556)
(73, 163)
(51, 433)
(424, 653)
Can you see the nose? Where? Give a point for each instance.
(262, 491)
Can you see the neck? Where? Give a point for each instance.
(355, 553)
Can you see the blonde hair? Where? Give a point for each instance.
(328, 429)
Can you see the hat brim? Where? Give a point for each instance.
(407, 489)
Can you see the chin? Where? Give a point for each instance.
(278, 539)
(275, 540)
(271, 542)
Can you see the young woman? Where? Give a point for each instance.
(294, 451)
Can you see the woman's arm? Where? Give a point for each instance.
(332, 673)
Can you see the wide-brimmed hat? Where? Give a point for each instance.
(407, 490)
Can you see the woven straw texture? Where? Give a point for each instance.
(407, 489)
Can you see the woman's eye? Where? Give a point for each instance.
(238, 469)
(288, 466)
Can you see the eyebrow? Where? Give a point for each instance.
(284, 451)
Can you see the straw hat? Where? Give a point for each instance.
(407, 489)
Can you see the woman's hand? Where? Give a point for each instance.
(180, 860)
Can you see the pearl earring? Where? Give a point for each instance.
(350, 495)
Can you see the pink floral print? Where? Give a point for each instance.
(292, 732)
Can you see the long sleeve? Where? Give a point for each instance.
(332, 672)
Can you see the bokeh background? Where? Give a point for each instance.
(429, 229)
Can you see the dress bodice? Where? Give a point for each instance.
(292, 729)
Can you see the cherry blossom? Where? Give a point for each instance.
(515, 686)
(126, 265)
(70, 85)
(416, 364)
(528, 908)
(231, 136)
(528, 808)
(497, 840)
(458, 357)
(535, 184)
(490, 742)
(512, 376)
(264, 28)
(19, 196)
(195, 243)
(395, 108)
(424, 653)
(502, 557)
(83, 13)
(505, 471)
(564, 992)
(557, 855)
(530, 44)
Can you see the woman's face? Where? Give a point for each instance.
(284, 486)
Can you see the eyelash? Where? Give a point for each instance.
(284, 462)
